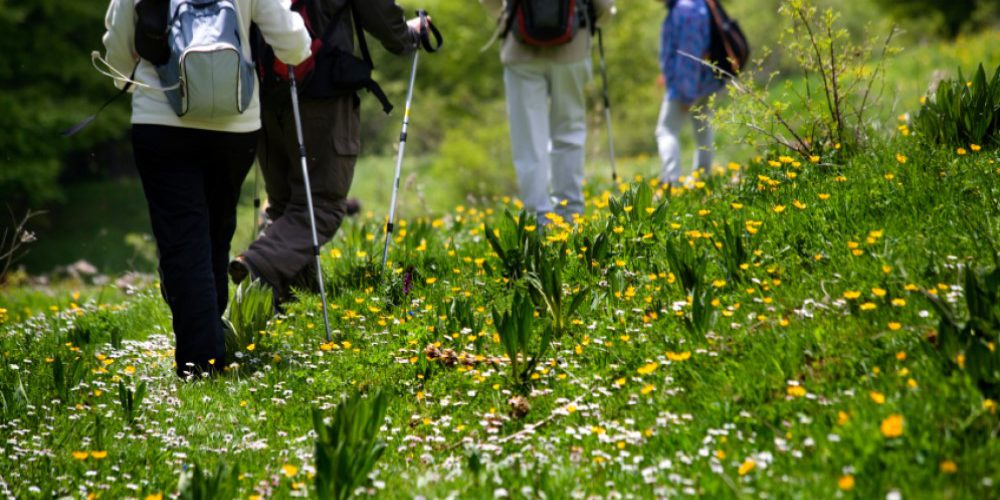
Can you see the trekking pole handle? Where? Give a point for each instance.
(426, 26)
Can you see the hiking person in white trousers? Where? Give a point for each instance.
(687, 30)
(547, 113)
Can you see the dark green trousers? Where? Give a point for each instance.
(331, 130)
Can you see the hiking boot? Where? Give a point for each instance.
(352, 206)
(241, 269)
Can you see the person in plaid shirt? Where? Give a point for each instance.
(688, 83)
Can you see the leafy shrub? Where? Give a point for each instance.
(66, 376)
(131, 400)
(247, 315)
(827, 110)
(962, 112)
(348, 447)
(971, 345)
(516, 329)
(94, 327)
(546, 287)
(733, 250)
(194, 484)
(514, 243)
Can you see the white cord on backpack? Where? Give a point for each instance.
(114, 74)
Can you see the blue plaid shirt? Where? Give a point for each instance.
(687, 28)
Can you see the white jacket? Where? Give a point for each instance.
(281, 28)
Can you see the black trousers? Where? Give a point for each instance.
(192, 181)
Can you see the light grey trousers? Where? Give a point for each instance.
(668, 138)
(548, 130)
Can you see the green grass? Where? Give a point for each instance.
(629, 400)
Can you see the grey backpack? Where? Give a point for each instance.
(207, 75)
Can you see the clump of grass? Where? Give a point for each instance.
(348, 447)
(251, 307)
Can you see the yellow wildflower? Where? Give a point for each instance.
(892, 426)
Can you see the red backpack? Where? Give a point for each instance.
(547, 23)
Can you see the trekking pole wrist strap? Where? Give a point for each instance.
(427, 29)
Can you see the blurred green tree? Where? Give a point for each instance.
(949, 16)
(47, 84)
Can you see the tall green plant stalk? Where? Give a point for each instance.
(348, 448)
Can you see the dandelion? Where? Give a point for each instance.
(746, 467)
(892, 426)
(649, 368)
(960, 360)
(814, 159)
(852, 294)
(990, 406)
(842, 418)
(877, 397)
(679, 356)
(846, 482)
(868, 306)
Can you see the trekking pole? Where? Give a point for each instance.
(426, 43)
(309, 200)
(607, 105)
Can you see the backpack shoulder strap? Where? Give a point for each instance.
(720, 24)
(360, 32)
(510, 9)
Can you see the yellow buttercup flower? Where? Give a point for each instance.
(892, 426)
(846, 482)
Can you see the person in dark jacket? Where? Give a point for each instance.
(282, 256)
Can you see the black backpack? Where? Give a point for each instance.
(729, 49)
(330, 71)
(547, 23)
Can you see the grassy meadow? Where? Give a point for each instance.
(791, 327)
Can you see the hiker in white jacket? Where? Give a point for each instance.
(192, 169)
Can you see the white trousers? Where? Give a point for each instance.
(668, 139)
(548, 130)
